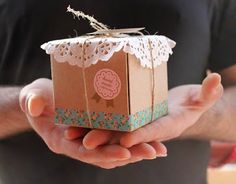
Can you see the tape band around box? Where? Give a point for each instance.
(111, 121)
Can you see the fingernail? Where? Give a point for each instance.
(124, 158)
(152, 158)
(26, 108)
(162, 155)
(35, 105)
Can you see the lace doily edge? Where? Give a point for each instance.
(48, 48)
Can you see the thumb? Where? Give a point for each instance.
(36, 104)
(211, 90)
(36, 99)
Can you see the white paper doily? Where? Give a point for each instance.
(102, 49)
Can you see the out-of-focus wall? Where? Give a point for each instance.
(224, 175)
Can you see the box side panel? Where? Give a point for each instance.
(64, 78)
(140, 82)
(69, 86)
(70, 101)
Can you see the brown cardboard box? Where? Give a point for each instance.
(118, 94)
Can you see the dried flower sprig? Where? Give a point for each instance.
(98, 26)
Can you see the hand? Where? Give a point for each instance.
(36, 101)
(186, 105)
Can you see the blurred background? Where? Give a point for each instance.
(218, 172)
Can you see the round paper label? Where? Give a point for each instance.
(107, 84)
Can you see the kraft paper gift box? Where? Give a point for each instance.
(110, 82)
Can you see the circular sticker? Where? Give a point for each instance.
(107, 84)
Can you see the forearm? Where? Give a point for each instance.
(218, 123)
(12, 119)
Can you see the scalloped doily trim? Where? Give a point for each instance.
(89, 50)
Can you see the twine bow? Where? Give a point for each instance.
(103, 30)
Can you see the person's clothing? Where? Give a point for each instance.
(205, 32)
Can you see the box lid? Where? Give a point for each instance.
(88, 50)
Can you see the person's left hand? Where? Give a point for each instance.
(36, 101)
(186, 105)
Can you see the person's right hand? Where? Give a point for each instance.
(36, 100)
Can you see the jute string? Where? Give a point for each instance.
(85, 85)
(153, 80)
(103, 31)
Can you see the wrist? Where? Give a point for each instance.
(12, 119)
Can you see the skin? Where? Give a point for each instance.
(109, 149)
(190, 108)
(184, 111)
(36, 102)
(195, 111)
(12, 120)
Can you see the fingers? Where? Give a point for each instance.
(35, 105)
(211, 90)
(107, 153)
(161, 150)
(76, 150)
(138, 152)
(75, 132)
(37, 98)
(53, 136)
(97, 137)
(36, 101)
(148, 133)
(144, 151)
